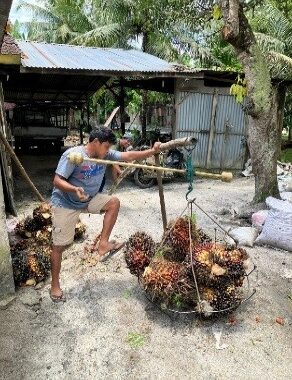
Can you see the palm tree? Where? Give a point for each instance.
(266, 97)
(57, 21)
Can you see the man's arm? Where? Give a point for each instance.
(62, 184)
(140, 154)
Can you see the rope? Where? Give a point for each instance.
(190, 171)
(191, 255)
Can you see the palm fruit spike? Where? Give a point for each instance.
(19, 262)
(233, 260)
(140, 248)
(39, 266)
(26, 227)
(42, 215)
(136, 261)
(167, 281)
(177, 237)
(44, 235)
(226, 298)
(143, 242)
(30, 225)
(207, 271)
(80, 229)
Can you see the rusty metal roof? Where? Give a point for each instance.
(9, 46)
(44, 56)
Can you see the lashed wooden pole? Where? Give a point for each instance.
(161, 194)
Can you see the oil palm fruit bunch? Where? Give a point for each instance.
(30, 261)
(208, 271)
(38, 266)
(42, 215)
(27, 227)
(167, 281)
(19, 261)
(177, 238)
(140, 249)
(219, 299)
(226, 298)
(44, 235)
(234, 260)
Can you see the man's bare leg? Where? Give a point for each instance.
(111, 210)
(56, 258)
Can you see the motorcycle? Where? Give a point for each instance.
(174, 159)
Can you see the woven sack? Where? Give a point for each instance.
(277, 230)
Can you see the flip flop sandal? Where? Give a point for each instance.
(57, 299)
(111, 253)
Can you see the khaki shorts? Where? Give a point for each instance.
(64, 219)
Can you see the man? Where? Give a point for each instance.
(76, 190)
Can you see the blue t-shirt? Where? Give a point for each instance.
(88, 175)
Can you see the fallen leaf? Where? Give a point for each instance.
(232, 320)
(280, 321)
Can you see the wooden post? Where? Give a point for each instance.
(212, 130)
(161, 193)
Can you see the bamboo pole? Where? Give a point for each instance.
(77, 158)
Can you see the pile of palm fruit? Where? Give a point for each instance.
(31, 254)
(186, 271)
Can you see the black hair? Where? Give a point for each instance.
(103, 134)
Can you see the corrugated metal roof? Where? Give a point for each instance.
(70, 57)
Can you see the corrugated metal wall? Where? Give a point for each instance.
(218, 123)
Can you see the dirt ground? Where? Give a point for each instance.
(109, 330)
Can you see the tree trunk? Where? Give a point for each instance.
(264, 103)
(264, 140)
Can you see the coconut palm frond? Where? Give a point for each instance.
(40, 12)
(63, 33)
(196, 50)
(280, 65)
(279, 26)
(160, 46)
(268, 43)
(114, 7)
(100, 36)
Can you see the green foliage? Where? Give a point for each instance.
(217, 13)
(238, 89)
(106, 103)
(134, 100)
(286, 155)
(127, 293)
(135, 340)
(177, 300)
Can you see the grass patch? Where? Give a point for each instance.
(135, 340)
(286, 155)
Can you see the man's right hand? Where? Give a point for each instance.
(81, 194)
